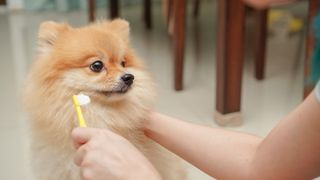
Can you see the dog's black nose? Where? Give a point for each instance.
(127, 79)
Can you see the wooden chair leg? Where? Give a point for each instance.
(230, 54)
(169, 15)
(147, 13)
(314, 9)
(179, 30)
(91, 10)
(261, 17)
(196, 8)
(114, 9)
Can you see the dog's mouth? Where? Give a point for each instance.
(122, 90)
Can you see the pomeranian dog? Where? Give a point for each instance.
(96, 60)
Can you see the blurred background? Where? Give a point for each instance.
(216, 62)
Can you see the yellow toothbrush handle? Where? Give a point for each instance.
(82, 122)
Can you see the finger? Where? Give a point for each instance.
(79, 156)
(81, 136)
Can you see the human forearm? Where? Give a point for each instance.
(291, 149)
(220, 153)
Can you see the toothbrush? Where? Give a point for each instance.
(78, 101)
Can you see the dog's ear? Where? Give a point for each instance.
(48, 33)
(121, 27)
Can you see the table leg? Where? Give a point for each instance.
(230, 54)
(260, 40)
(179, 10)
(92, 10)
(196, 8)
(147, 13)
(114, 8)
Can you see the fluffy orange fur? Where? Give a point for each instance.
(61, 70)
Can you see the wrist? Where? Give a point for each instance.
(149, 123)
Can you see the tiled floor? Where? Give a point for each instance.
(264, 102)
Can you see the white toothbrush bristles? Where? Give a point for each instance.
(83, 99)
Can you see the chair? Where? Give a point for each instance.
(230, 52)
(115, 12)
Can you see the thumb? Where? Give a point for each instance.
(81, 136)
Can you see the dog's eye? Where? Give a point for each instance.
(96, 66)
(123, 63)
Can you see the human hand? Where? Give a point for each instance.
(102, 154)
